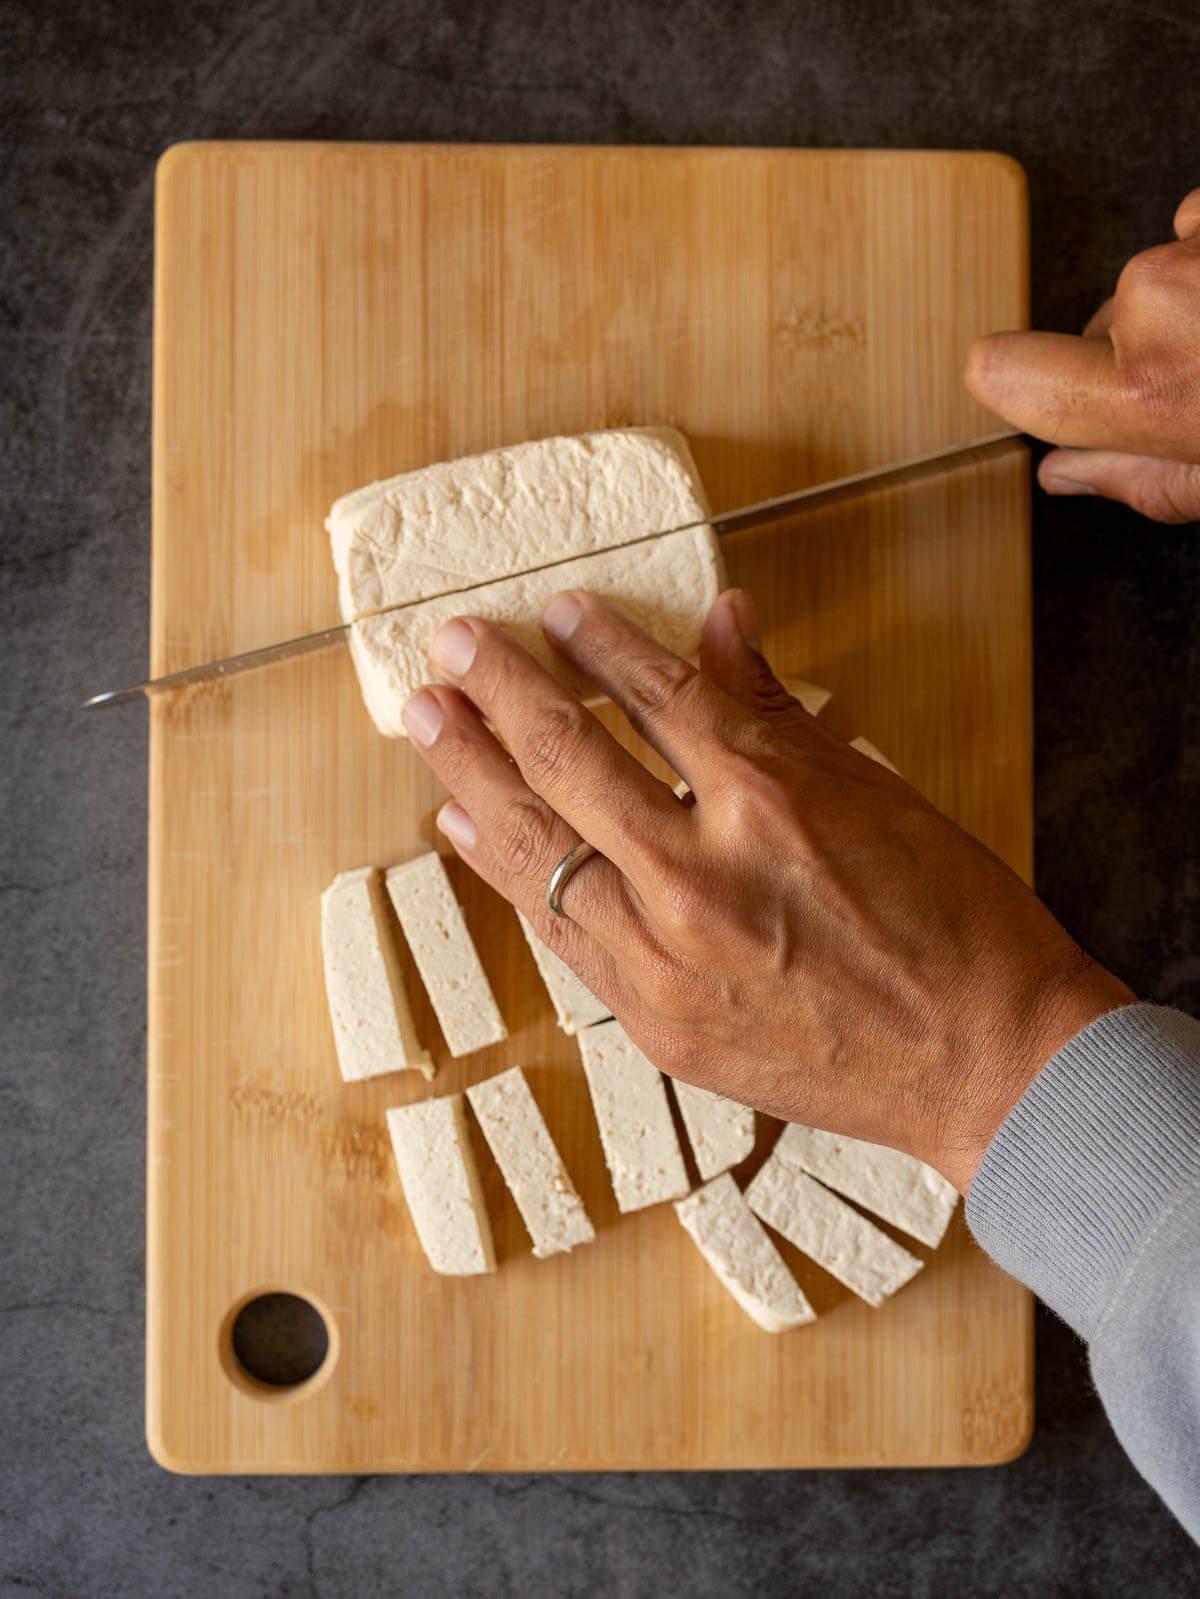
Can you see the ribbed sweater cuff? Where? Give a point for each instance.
(1101, 1142)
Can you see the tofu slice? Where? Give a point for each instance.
(813, 699)
(665, 586)
(737, 1247)
(865, 747)
(636, 1130)
(441, 1184)
(898, 1187)
(431, 919)
(518, 1137)
(482, 517)
(828, 1230)
(574, 1003)
(720, 1130)
(372, 1023)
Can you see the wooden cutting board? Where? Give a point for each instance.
(331, 314)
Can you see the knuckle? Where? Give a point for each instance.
(524, 832)
(755, 790)
(554, 740)
(685, 905)
(659, 685)
(1149, 271)
(454, 756)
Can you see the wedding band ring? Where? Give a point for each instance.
(563, 872)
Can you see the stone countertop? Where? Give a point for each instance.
(1095, 102)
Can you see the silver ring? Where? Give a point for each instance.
(563, 872)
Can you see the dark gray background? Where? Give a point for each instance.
(1099, 103)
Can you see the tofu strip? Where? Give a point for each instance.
(737, 1247)
(431, 920)
(372, 1023)
(574, 1003)
(721, 1131)
(531, 1165)
(441, 1184)
(898, 1187)
(829, 1231)
(634, 1118)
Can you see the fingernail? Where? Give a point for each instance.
(561, 616)
(457, 826)
(747, 619)
(423, 717)
(1066, 485)
(453, 648)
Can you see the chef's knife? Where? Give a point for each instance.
(727, 522)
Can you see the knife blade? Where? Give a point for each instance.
(727, 522)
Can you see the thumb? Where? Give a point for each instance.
(731, 655)
(1166, 491)
(1052, 385)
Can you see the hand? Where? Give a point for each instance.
(1126, 396)
(809, 936)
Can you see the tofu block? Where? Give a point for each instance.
(636, 1129)
(484, 524)
(736, 1245)
(833, 1234)
(441, 1184)
(574, 1003)
(720, 1130)
(518, 1137)
(665, 586)
(865, 747)
(898, 1187)
(372, 1023)
(813, 699)
(432, 921)
(459, 523)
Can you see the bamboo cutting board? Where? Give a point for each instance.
(331, 314)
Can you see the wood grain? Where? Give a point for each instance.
(327, 315)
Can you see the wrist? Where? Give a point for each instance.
(1026, 1037)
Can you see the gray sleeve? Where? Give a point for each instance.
(1090, 1194)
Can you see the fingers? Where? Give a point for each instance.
(1187, 217)
(1099, 323)
(563, 753)
(675, 708)
(1165, 491)
(1052, 385)
(509, 835)
(730, 654)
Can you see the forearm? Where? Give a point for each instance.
(1090, 1194)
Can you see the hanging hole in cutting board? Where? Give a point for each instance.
(277, 1343)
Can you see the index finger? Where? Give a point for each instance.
(1057, 387)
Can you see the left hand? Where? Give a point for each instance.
(809, 936)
